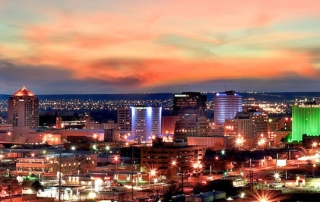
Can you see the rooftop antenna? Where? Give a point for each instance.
(225, 87)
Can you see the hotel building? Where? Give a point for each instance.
(23, 109)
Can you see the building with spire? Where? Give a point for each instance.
(23, 109)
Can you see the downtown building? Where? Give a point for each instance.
(190, 107)
(189, 104)
(145, 123)
(226, 106)
(305, 121)
(23, 109)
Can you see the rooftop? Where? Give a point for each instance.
(23, 92)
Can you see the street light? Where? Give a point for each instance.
(173, 164)
(314, 144)
(116, 158)
(95, 136)
(239, 141)
(152, 173)
(198, 167)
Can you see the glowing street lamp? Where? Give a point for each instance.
(262, 142)
(95, 137)
(314, 144)
(152, 173)
(198, 167)
(116, 158)
(239, 141)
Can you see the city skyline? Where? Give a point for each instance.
(81, 47)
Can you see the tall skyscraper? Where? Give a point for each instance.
(23, 109)
(145, 123)
(189, 104)
(305, 120)
(226, 106)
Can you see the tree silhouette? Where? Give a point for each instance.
(172, 190)
(36, 187)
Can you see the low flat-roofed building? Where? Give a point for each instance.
(217, 142)
(70, 162)
(161, 155)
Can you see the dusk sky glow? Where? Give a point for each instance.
(140, 46)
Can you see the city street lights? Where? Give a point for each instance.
(173, 164)
(262, 142)
(198, 167)
(152, 173)
(314, 144)
(95, 136)
(116, 158)
(277, 177)
(239, 141)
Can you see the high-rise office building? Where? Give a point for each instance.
(260, 125)
(145, 123)
(226, 106)
(305, 120)
(23, 109)
(189, 104)
(124, 118)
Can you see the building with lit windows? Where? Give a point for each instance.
(190, 127)
(124, 118)
(145, 123)
(189, 104)
(23, 109)
(305, 120)
(161, 155)
(226, 106)
(260, 125)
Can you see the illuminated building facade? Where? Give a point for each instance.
(23, 109)
(226, 106)
(189, 104)
(305, 120)
(145, 123)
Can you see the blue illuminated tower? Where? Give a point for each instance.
(226, 106)
(145, 123)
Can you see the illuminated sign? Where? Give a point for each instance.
(281, 162)
(180, 95)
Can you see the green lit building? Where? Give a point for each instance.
(305, 120)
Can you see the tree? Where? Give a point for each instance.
(172, 190)
(36, 187)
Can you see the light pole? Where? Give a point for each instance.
(239, 141)
(197, 166)
(152, 173)
(116, 158)
(173, 164)
(313, 167)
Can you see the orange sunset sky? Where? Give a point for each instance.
(137, 46)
